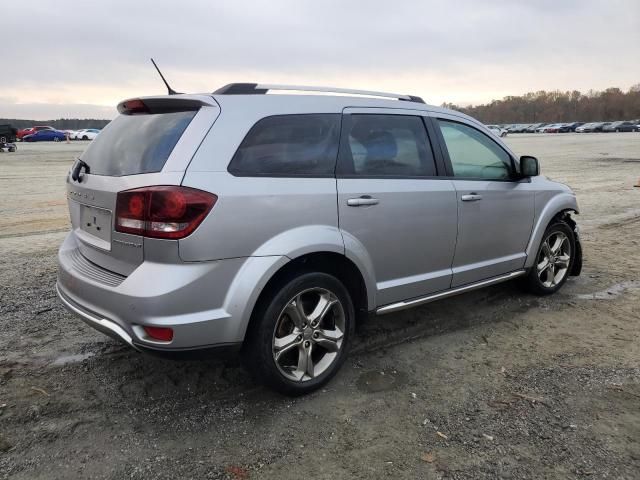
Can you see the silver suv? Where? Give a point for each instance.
(269, 222)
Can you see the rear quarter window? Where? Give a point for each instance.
(289, 145)
(135, 144)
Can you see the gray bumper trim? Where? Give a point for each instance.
(102, 324)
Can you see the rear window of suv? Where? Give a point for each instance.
(134, 144)
(289, 145)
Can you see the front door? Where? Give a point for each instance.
(495, 209)
(391, 204)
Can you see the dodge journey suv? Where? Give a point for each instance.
(272, 222)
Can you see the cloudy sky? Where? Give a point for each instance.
(78, 59)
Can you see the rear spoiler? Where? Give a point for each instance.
(141, 106)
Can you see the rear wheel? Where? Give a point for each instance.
(553, 260)
(56, 139)
(300, 335)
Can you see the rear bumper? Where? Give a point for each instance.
(197, 300)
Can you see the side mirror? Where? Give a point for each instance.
(529, 166)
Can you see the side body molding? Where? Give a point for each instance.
(546, 209)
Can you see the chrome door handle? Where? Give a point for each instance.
(472, 197)
(362, 201)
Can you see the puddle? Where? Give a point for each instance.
(380, 381)
(612, 292)
(72, 358)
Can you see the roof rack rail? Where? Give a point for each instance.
(261, 89)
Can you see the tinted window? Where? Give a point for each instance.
(133, 144)
(473, 154)
(386, 145)
(289, 145)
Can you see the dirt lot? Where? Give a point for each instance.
(491, 384)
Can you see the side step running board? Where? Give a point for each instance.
(394, 307)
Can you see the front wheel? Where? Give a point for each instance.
(300, 334)
(553, 260)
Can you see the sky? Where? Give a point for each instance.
(79, 59)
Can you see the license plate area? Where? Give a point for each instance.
(97, 223)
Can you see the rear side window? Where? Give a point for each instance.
(473, 154)
(134, 144)
(289, 145)
(386, 145)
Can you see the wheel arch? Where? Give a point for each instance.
(332, 263)
(559, 207)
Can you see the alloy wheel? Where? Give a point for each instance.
(553, 260)
(309, 334)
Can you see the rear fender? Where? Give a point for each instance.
(274, 254)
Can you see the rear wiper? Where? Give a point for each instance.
(80, 164)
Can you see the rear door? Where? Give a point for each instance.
(142, 148)
(495, 208)
(392, 204)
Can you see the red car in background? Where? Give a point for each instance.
(28, 131)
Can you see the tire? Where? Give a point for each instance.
(56, 139)
(553, 261)
(617, 130)
(281, 339)
(85, 138)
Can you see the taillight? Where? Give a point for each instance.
(170, 212)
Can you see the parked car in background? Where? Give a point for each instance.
(587, 127)
(24, 131)
(534, 127)
(600, 126)
(551, 128)
(45, 136)
(8, 134)
(522, 128)
(621, 126)
(519, 128)
(592, 127)
(495, 129)
(85, 134)
(571, 127)
(29, 131)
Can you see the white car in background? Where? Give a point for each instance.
(498, 131)
(86, 134)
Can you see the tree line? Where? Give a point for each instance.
(556, 106)
(60, 124)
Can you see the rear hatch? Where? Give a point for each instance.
(150, 143)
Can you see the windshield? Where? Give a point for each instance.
(134, 144)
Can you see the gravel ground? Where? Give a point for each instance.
(490, 384)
